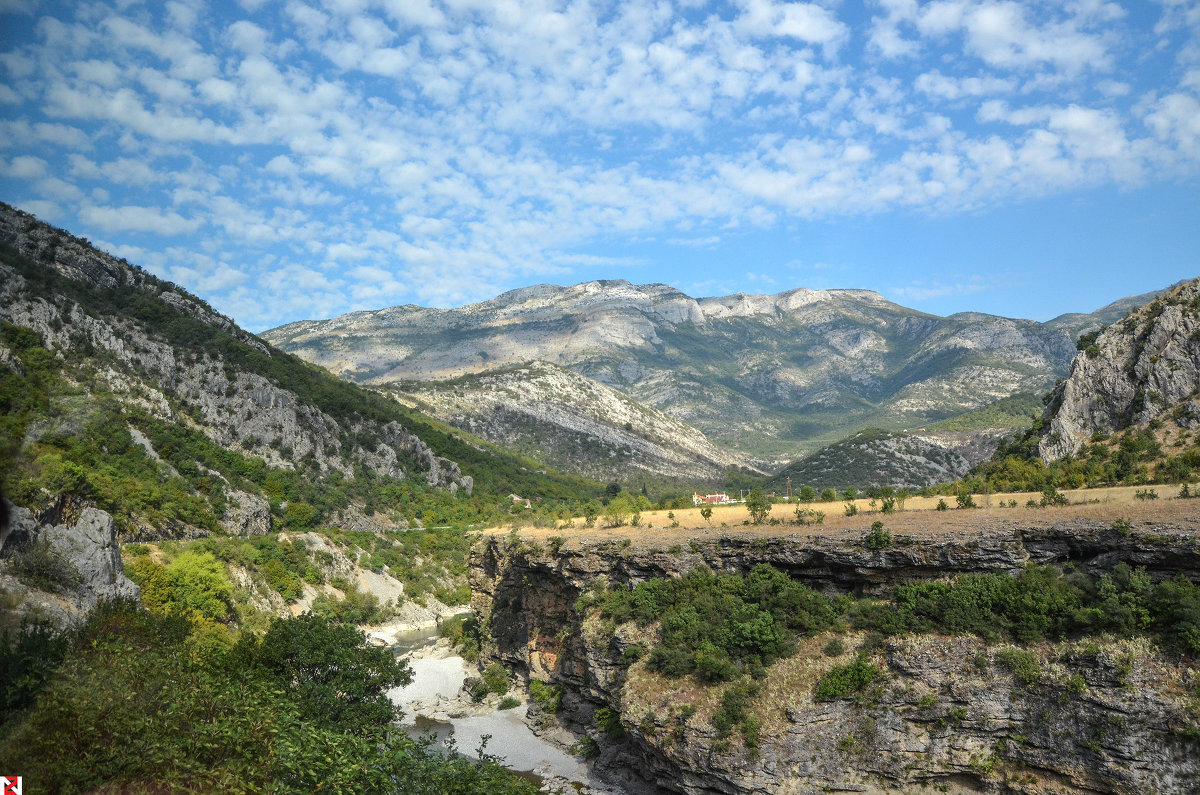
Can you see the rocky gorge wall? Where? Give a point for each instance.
(1101, 715)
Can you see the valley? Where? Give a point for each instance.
(213, 542)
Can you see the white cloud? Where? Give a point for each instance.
(138, 219)
(397, 149)
(25, 167)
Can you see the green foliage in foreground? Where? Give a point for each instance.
(144, 703)
(716, 627)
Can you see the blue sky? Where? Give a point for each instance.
(290, 160)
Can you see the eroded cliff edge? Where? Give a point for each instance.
(1101, 715)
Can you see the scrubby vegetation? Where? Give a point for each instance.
(143, 701)
(717, 627)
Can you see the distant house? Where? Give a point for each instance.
(710, 499)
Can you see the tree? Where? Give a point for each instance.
(617, 511)
(331, 669)
(807, 494)
(851, 493)
(706, 512)
(759, 505)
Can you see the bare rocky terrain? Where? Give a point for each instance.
(765, 375)
(572, 423)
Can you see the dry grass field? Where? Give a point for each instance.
(918, 519)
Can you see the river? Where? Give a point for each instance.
(434, 705)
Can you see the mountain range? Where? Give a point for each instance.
(764, 378)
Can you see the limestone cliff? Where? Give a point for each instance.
(1107, 716)
(1143, 368)
(78, 565)
(572, 423)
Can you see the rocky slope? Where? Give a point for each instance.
(56, 573)
(1142, 369)
(874, 457)
(571, 422)
(767, 374)
(125, 390)
(1111, 716)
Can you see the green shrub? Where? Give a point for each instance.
(717, 625)
(608, 720)
(1021, 663)
(508, 702)
(547, 697)
(834, 648)
(845, 680)
(27, 661)
(138, 706)
(39, 565)
(878, 538)
(496, 678)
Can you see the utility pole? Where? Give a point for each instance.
(789, 489)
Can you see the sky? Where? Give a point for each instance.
(295, 159)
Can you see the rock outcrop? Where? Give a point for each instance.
(84, 552)
(1138, 370)
(948, 712)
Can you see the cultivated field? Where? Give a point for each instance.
(918, 519)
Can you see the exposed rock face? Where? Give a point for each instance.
(182, 382)
(1107, 717)
(1137, 370)
(755, 373)
(571, 422)
(88, 546)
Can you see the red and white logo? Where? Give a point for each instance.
(10, 785)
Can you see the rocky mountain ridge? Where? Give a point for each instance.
(1143, 369)
(768, 375)
(573, 423)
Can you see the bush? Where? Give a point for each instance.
(845, 680)
(508, 702)
(547, 697)
(851, 509)
(609, 721)
(496, 678)
(834, 648)
(27, 661)
(1021, 663)
(718, 625)
(878, 538)
(807, 516)
(139, 707)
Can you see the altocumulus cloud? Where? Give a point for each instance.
(318, 157)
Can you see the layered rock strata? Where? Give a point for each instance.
(1102, 715)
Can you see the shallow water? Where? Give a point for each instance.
(508, 736)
